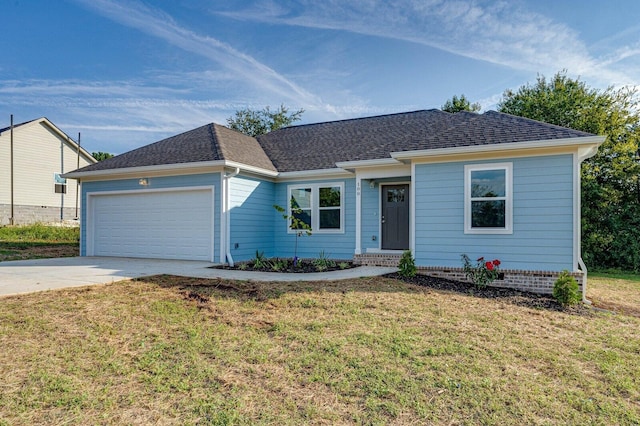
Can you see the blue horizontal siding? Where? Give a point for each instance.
(370, 217)
(334, 245)
(251, 217)
(542, 236)
(208, 179)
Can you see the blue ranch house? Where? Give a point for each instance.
(488, 185)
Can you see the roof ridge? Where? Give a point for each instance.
(533, 120)
(355, 119)
(215, 140)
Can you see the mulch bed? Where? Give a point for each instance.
(303, 266)
(515, 297)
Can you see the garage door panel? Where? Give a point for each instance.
(165, 225)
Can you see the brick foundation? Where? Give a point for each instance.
(377, 259)
(531, 281)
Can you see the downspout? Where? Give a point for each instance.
(227, 212)
(580, 157)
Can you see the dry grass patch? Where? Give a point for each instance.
(616, 292)
(170, 350)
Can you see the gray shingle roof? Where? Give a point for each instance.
(322, 145)
(211, 142)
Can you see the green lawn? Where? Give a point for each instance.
(38, 241)
(170, 350)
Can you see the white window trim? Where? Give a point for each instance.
(315, 206)
(508, 214)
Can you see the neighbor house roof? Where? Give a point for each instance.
(45, 121)
(4, 129)
(322, 145)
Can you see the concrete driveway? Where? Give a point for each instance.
(26, 276)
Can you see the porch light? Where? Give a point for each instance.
(372, 184)
(143, 182)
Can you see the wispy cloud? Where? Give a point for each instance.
(496, 32)
(157, 23)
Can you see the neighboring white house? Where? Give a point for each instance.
(41, 153)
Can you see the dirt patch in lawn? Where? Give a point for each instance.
(199, 289)
(24, 251)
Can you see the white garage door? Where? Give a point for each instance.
(175, 224)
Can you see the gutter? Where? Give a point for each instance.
(226, 177)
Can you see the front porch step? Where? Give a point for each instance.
(377, 259)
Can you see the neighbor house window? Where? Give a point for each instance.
(321, 206)
(60, 184)
(488, 199)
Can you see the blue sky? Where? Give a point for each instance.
(128, 73)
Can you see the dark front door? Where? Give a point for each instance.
(395, 217)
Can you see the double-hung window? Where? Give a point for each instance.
(488, 198)
(320, 206)
(59, 184)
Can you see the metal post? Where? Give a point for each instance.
(12, 218)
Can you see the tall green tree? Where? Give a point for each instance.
(611, 179)
(461, 103)
(101, 155)
(258, 122)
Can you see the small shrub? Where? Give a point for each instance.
(242, 266)
(566, 290)
(322, 263)
(260, 262)
(278, 265)
(483, 273)
(407, 265)
(343, 265)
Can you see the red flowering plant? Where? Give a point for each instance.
(483, 272)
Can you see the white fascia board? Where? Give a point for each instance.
(400, 170)
(315, 174)
(166, 169)
(145, 171)
(350, 165)
(551, 144)
(251, 169)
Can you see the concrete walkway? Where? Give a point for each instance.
(26, 276)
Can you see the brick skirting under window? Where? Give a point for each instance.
(532, 281)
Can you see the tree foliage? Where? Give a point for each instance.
(258, 122)
(461, 103)
(101, 155)
(610, 180)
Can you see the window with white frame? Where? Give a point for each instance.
(59, 184)
(488, 199)
(320, 206)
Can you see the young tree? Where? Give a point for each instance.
(456, 104)
(101, 155)
(610, 180)
(258, 122)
